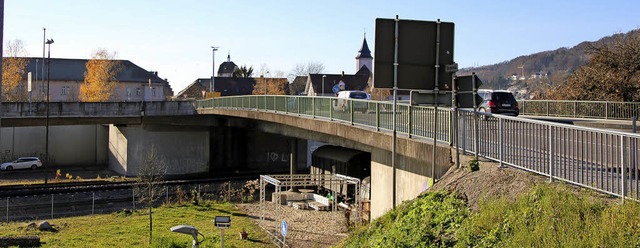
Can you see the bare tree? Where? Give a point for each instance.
(149, 182)
(13, 70)
(304, 69)
(270, 86)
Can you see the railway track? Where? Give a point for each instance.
(71, 187)
(37, 202)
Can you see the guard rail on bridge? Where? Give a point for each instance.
(603, 160)
(580, 109)
(96, 109)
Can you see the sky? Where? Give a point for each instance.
(174, 38)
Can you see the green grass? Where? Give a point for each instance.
(546, 216)
(132, 229)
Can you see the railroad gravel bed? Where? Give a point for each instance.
(306, 228)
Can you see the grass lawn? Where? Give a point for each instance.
(131, 229)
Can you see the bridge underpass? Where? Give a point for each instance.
(413, 154)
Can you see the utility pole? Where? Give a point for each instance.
(213, 71)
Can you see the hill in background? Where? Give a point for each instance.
(526, 75)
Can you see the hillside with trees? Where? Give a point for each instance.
(538, 75)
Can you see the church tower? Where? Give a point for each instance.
(364, 56)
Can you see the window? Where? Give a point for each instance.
(128, 92)
(138, 92)
(65, 90)
(153, 91)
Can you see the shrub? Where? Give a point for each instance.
(474, 165)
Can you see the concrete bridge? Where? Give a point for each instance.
(20, 114)
(205, 140)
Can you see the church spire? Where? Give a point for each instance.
(364, 51)
(229, 56)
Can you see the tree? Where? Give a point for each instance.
(302, 69)
(243, 72)
(100, 77)
(270, 86)
(612, 73)
(149, 182)
(13, 71)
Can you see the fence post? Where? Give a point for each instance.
(551, 153)
(410, 122)
(464, 135)
(313, 107)
(93, 202)
(378, 116)
(133, 199)
(7, 209)
(547, 107)
(575, 105)
(606, 110)
(501, 132)
(51, 206)
(622, 182)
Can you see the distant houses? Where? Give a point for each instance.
(66, 76)
(226, 84)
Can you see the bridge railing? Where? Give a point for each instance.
(580, 109)
(411, 120)
(603, 160)
(97, 109)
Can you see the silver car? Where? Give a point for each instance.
(22, 163)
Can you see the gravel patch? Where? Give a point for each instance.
(306, 228)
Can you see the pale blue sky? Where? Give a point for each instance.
(174, 37)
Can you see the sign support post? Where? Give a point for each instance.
(395, 103)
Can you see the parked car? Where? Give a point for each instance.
(498, 102)
(342, 103)
(22, 163)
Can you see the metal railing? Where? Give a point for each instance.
(603, 160)
(580, 109)
(411, 120)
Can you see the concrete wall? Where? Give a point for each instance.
(79, 145)
(185, 148)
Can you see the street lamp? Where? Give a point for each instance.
(213, 71)
(46, 149)
(323, 77)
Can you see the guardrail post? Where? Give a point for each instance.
(501, 132)
(7, 209)
(551, 143)
(606, 110)
(377, 116)
(547, 108)
(313, 107)
(464, 134)
(330, 108)
(622, 182)
(51, 206)
(410, 127)
(574, 108)
(351, 111)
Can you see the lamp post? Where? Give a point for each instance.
(323, 77)
(46, 149)
(213, 69)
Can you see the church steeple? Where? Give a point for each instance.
(364, 51)
(229, 56)
(364, 56)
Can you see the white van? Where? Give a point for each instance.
(342, 103)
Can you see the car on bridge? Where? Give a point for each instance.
(22, 163)
(498, 102)
(358, 103)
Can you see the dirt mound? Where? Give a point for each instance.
(490, 181)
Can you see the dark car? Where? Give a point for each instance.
(498, 102)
